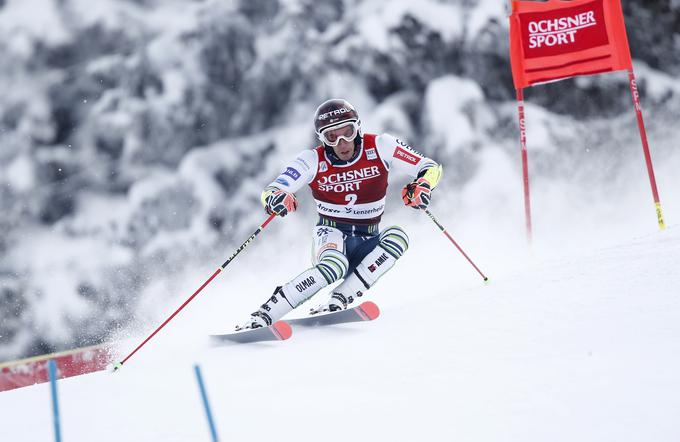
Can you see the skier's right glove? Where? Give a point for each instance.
(278, 201)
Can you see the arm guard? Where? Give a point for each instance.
(432, 175)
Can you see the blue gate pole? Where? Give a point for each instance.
(206, 404)
(52, 367)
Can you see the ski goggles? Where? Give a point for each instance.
(345, 131)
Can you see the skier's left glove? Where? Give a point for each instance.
(278, 201)
(416, 194)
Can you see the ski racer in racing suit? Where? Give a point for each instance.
(348, 178)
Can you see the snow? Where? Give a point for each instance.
(61, 261)
(574, 339)
(445, 102)
(20, 174)
(486, 11)
(376, 18)
(657, 84)
(573, 343)
(23, 22)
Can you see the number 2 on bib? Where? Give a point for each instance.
(351, 199)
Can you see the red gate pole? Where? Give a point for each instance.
(645, 147)
(525, 162)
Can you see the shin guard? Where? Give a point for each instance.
(331, 267)
(393, 243)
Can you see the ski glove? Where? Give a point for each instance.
(416, 194)
(278, 201)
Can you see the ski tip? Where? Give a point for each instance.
(370, 309)
(282, 330)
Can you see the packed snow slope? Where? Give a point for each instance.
(148, 128)
(574, 344)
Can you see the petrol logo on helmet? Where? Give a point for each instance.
(333, 113)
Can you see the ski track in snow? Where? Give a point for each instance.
(580, 347)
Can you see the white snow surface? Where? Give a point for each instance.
(573, 339)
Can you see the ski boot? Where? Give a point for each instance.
(256, 320)
(337, 302)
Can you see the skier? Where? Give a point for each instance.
(348, 178)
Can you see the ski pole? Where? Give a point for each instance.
(455, 243)
(119, 365)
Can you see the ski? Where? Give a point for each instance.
(281, 330)
(278, 331)
(366, 311)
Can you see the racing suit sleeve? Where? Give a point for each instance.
(297, 172)
(399, 156)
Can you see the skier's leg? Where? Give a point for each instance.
(392, 244)
(330, 266)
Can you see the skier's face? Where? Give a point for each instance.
(344, 150)
(341, 139)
